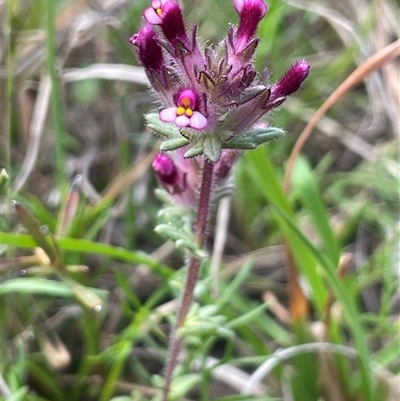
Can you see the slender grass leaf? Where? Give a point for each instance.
(305, 184)
(86, 246)
(28, 285)
(266, 179)
(348, 305)
(229, 292)
(33, 226)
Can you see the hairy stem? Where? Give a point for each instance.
(192, 273)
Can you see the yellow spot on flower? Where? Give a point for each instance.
(158, 11)
(180, 110)
(189, 112)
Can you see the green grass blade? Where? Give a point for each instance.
(229, 292)
(305, 185)
(348, 305)
(28, 285)
(266, 179)
(56, 98)
(86, 246)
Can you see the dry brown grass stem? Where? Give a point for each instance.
(35, 134)
(113, 72)
(375, 62)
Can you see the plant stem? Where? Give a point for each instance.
(192, 273)
(6, 115)
(56, 102)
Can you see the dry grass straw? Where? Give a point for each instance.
(377, 61)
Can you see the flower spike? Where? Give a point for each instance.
(213, 98)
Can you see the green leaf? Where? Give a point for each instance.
(19, 395)
(196, 150)
(305, 185)
(86, 296)
(255, 137)
(240, 143)
(28, 285)
(229, 292)
(249, 317)
(261, 170)
(181, 385)
(172, 232)
(166, 129)
(86, 246)
(347, 303)
(212, 147)
(173, 144)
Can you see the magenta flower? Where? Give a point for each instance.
(185, 114)
(213, 98)
(250, 12)
(168, 15)
(149, 51)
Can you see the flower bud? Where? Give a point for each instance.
(178, 176)
(290, 81)
(250, 12)
(167, 172)
(148, 50)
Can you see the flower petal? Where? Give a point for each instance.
(182, 121)
(168, 115)
(187, 98)
(173, 25)
(238, 4)
(197, 120)
(151, 16)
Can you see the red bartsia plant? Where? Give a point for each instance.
(213, 105)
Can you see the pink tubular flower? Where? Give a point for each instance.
(148, 50)
(167, 14)
(250, 12)
(185, 114)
